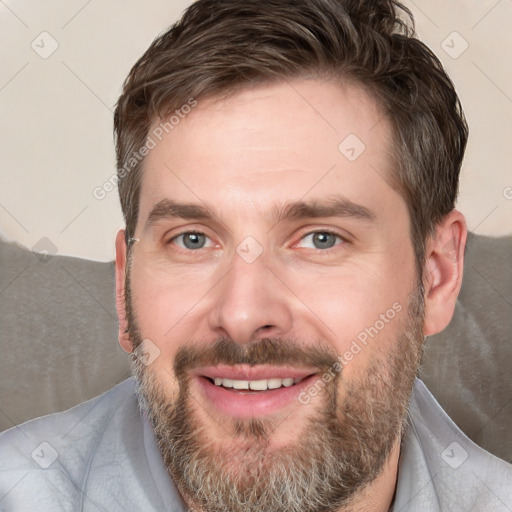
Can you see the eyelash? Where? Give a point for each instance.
(342, 239)
(323, 252)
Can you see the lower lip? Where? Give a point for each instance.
(250, 404)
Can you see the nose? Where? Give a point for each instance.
(250, 303)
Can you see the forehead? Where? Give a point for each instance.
(270, 144)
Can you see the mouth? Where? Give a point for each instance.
(244, 392)
(254, 385)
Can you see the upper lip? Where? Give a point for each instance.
(246, 372)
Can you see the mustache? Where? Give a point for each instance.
(267, 351)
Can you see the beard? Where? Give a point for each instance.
(343, 446)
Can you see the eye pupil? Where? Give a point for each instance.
(194, 240)
(324, 240)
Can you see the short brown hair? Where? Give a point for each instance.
(221, 46)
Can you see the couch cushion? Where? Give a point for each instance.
(58, 338)
(467, 366)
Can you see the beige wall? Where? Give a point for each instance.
(56, 110)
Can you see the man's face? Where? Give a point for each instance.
(273, 253)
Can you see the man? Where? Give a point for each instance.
(288, 173)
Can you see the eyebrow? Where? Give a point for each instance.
(334, 207)
(168, 209)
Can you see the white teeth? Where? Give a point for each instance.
(241, 384)
(256, 385)
(274, 383)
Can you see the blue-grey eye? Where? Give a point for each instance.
(320, 240)
(191, 240)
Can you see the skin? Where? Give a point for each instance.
(242, 157)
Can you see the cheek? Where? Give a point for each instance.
(164, 303)
(359, 310)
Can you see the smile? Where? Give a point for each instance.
(244, 392)
(256, 385)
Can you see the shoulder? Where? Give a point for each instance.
(54, 452)
(449, 469)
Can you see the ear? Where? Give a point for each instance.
(443, 271)
(124, 338)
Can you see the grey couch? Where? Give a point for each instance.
(58, 340)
